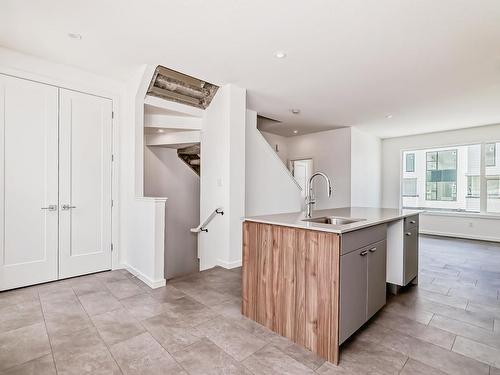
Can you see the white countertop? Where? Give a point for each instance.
(371, 216)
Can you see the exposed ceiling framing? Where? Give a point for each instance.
(171, 85)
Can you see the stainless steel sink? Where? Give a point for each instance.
(332, 220)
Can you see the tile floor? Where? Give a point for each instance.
(111, 323)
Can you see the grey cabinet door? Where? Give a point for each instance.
(353, 292)
(410, 254)
(377, 255)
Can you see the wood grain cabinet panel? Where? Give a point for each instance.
(291, 284)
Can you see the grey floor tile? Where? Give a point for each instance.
(87, 285)
(22, 345)
(478, 351)
(409, 311)
(99, 302)
(304, 356)
(20, 315)
(83, 352)
(206, 358)
(142, 355)
(22, 295)
(467, 330)
(117, 325)
(410, 327)
(110, 276)
(189, 310)
(146, 311)
(413, 367)
(124, 288)
(230, 337)
(39, 366)
(429, 354)
(361, 356)
(167, 294)
(271, 360)
(139, 300)
(172, 333)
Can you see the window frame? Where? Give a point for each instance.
(494, 154)
(413, 162)
(435, 185)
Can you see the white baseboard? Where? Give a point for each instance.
(229, 265)
(153, 284)
(456, 235)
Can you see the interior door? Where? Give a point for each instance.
(28, 182)
(85, 150)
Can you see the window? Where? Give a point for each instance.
(410, 162)
(473, 186)
(410, 187)
(490, 157)
(441, 175)
(493, 193)
(446, 179)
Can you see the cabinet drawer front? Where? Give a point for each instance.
(411, 254)
(411, 221)
(363, 237)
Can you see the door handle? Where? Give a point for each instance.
(66, 207)
(372, 250)
(408, 233)
(413, 222)
(363, 253)
(50, 207)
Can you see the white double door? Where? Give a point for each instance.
(55, 183)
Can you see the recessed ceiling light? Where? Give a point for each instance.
(75, 36)
(280, 54)
(388, 116)
(295, 111)
(295, 132)
(161, 131)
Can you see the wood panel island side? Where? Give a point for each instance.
(314, 284)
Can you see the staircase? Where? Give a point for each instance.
(191, 156)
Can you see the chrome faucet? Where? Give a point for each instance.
(310, 199)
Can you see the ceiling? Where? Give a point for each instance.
(432, 65)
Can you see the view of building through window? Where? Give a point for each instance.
(451, 179)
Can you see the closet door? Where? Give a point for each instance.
(84, 183)
(28, 182)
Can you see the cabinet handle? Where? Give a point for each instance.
(66, 207)
(373, 250)
(363, 253)
(413, 222)
(408, 233)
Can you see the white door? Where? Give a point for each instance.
(85, 151)
(28, 182)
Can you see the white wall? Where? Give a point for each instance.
(270, 188)
(166, 175)
(223, 177)
(331, 154)
(366, 169)
(282, 143)
(392, 148)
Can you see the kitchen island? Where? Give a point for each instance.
(317, 280)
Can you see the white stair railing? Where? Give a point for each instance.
(203, 226)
